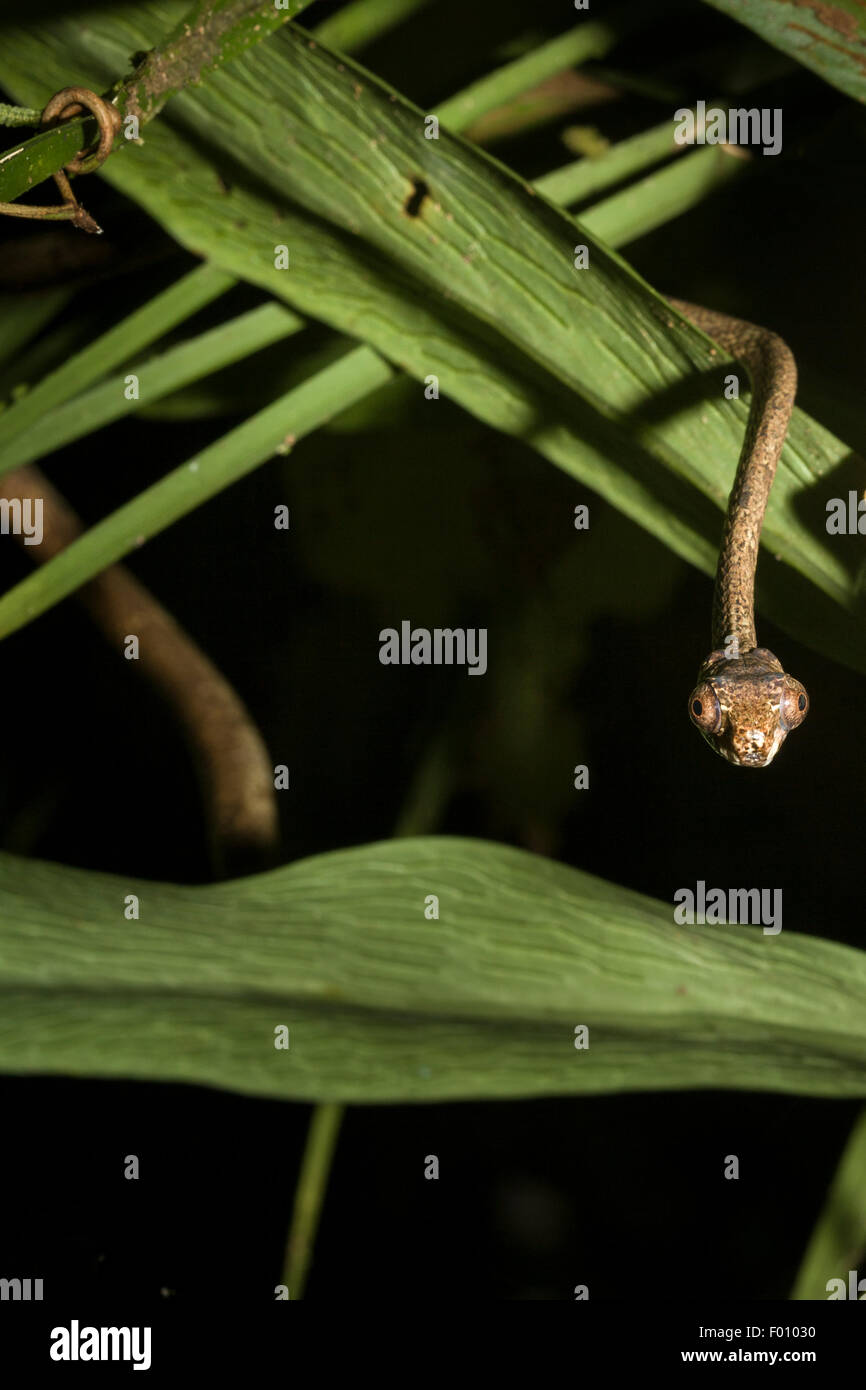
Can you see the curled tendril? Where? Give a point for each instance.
(72, 101)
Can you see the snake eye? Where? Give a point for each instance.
(704, 709)
(794, 705)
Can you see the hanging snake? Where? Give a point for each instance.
(744, 702)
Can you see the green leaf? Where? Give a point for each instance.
(828, 38)
(191, 41)
(383, 1004)
(130, 336)
(592, 368)
(592, 38)
(359, 22)
(273, 430)
(157, 377)
(838, 1241)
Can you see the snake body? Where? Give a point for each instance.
(744, 702)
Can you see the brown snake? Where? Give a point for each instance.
(232, 760)
(744, 703)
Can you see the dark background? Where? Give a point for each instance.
(415, 510)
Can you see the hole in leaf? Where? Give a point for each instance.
(420, 191)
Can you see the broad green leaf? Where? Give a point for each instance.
(829, 38)
(383, 1004)
(592, 368)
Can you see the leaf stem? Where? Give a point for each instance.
(310, 1194)
(361, 21)
(589, 39)
(838, 1242)
(19, 115)
(211, 33)
(421, 812)
(273, 430)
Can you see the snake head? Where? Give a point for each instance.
(745, 706)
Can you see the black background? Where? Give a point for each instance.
(428, 515)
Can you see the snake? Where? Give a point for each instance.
(744, 702)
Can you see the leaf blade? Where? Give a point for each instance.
(578, 367)
(384, 1005)
(828, 39)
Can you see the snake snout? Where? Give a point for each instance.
(746, 706)
(754, 747)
